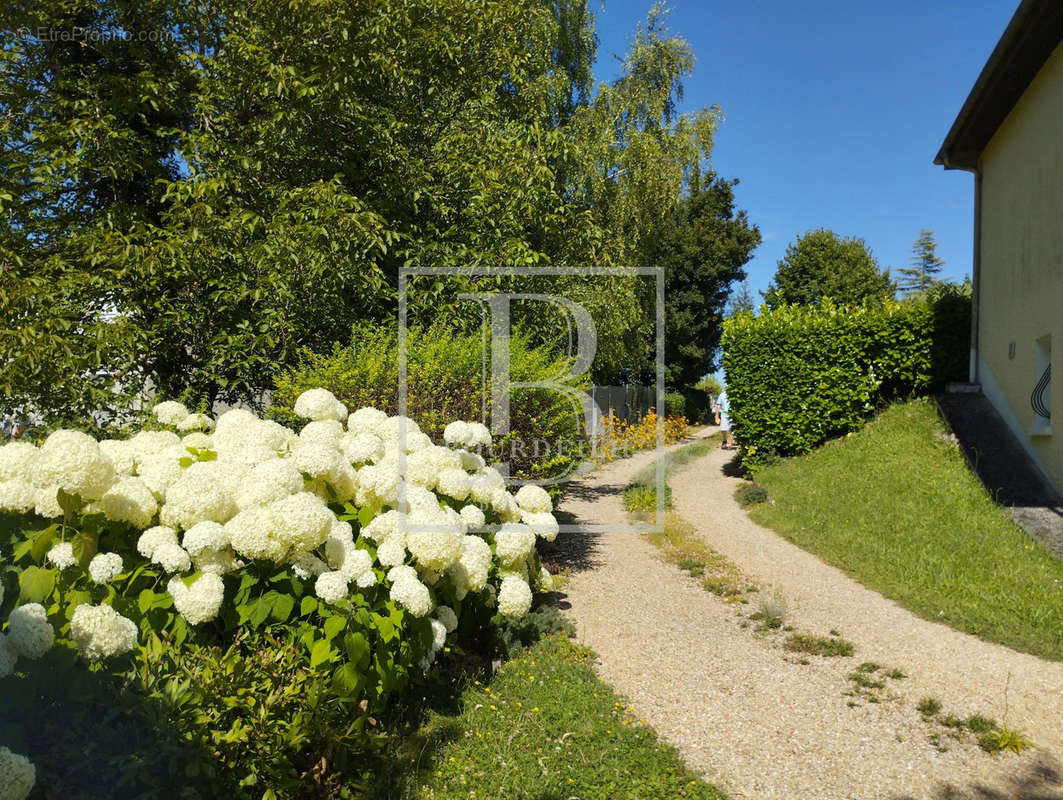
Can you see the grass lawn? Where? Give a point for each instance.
(896, 507)
(544, 727)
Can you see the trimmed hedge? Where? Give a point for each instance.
(800, 375)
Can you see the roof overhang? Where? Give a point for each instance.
(1033, 34)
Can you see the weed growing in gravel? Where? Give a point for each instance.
(991, 736)
(869, 681)
(827, 646)
(682, 546)
(771, 613)
(929, 706)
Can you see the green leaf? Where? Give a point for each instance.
(357, 647)
(85, 545)
(307, 606)
(283, 605)
(42, 542)
(333, 625)
(320, 652)
(70, 503)
(365, 516)
(35, 584)
(347, 681)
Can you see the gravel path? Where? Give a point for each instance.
(748, 715)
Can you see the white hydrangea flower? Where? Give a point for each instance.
(172, 558)
(17, 460)
(197, 440)
(308, 566)
(382, 526)
(514, 597)
(105, 567)
(302, 521)
(476, 562)
(471, 462)
(203, 536)
(251, 535)
(159, 473)
(403, 572)
(361, 448)
(473, 516)
(101, 632)
(534, 499)
(378, 484)
(29, 633)
(482, 484)
(8, 657)
(331, 586)
(457, 433)
(316, 460)
(435, 540)
(147, 444)
(412, 595)
(366, 579)
(17, 496)
(514, 542)
(48, 503)
(505, 506)
(200, 601)
(217, 562)
(446, 615)
(129, 500)
(468, 435)
(153, 538)
(542, 523)
(439, 635)
(454, 482)
(62, 555)
(17, 775)
(327, 432)
(170, 412)
(73, 461)
(121, 453)
(205, 491)
(367, 420)
(391, 553)
(195, 422)
(320, 404)
(268, 481)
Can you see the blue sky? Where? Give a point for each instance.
(834, 112)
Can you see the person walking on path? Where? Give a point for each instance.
(723, 409)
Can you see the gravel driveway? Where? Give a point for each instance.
(748, 715)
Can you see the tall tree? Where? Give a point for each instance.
(741, 300)
(702, 245)
(820, 265)
(925, 265)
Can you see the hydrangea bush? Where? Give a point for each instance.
(370, 543)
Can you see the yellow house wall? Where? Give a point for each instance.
(1021, 281)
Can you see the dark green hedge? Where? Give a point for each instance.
(800, 375)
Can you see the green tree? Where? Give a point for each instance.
(702, 245)
(741, 300)
(925, 265)
(822, 264)
(188, 209)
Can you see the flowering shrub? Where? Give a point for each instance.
(124, 547)
(444, 382)
(622, 438)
